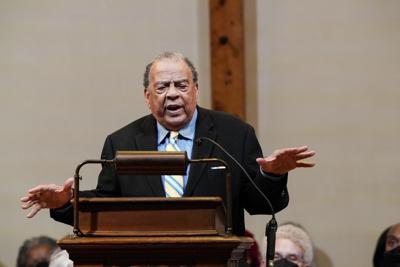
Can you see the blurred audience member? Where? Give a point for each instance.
(387, 251)
(293, 247)
(380, 248)
(42, 251)
(36, 252)
(253, 255)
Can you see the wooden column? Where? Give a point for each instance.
(227, 56)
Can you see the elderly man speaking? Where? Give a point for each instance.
(176, 121)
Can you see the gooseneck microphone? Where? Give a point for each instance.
(272, 226)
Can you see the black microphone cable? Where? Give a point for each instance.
(272, 225)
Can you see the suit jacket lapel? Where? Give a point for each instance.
(203, 129)
(147, 141)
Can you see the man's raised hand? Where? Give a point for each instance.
(48, 196)
(286, 159)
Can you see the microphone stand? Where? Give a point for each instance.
(270, 234)
(272, 226)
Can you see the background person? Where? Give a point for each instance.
(36, 252)
(293, 246)
(387, 251)
(380, 248)
(253, 254)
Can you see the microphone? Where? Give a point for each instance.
(270, 233)
(272, 226)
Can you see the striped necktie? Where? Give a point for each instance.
(173, 184)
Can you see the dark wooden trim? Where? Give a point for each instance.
(172, 251)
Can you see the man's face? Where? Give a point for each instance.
(171, 95)
(286, 248)
(393, 238)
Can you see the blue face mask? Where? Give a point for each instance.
(284, 263)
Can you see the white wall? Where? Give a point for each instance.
(71, 73)
(328, 77)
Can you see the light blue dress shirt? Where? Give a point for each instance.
(184, 142)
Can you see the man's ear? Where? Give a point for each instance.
(196, 85)
(147, 97)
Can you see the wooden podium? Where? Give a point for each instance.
(153, 231)
(195, 231)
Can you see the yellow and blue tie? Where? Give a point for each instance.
(173, 184)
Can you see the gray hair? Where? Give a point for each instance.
(31, 243)
(298, 235)
(173, 56)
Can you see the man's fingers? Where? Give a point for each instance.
(305, 164)
(36, 208)
(304, 155)
(293, 150)
(261, 160)
(37, 189)
(29, 204)
(69, 183)
(30, 197)
(24, 199)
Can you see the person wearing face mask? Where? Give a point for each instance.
(42, 251)
(293, 247)
(387, 251)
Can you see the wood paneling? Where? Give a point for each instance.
(227, 56)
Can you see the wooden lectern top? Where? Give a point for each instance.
(155, 216)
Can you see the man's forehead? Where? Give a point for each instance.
(167, 70)
(170, 76)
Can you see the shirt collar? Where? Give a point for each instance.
(186, 132)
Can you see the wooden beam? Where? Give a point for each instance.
(227, 56)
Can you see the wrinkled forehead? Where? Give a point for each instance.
(286, 247)
(170, 70)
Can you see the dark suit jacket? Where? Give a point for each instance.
(237, 137)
